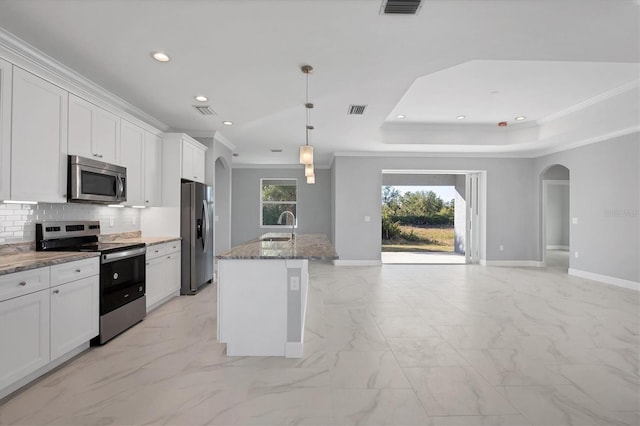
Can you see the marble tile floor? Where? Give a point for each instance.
(396, 344)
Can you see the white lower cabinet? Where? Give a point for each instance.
(75, 310)
(24, 330)
(46, 313)
(162, 273)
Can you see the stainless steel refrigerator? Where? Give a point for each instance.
(196, 230)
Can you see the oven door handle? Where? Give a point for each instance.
(125, 254)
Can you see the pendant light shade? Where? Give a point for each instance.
(306, 154)
(311, 179)
(308, 170)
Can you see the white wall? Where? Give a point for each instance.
(313, 208)
(605, 199)
(510, 203)
(460, 218)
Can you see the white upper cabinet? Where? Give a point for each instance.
(38, 139)
(5, 129)
(132, 152)
(152, 167)
(93, 131)
(193, 154)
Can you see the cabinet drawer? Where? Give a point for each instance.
(21, 283)
(72, 271)
(155, 250)
(172, 247)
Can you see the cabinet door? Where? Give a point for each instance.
(152, 165)
(155, 281)
(173, 272)
(106, 136)
(198, 165)
(5, 129)
(80, 127)
(74, 314)
(188, 152)
(132, 148)
(24, 327)
(38, 140)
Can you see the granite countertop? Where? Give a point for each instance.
(306, 246)
(23, 257)
(24, 261)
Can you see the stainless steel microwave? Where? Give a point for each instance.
(92, 181)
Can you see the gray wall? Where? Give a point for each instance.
(604, 197)
(510, 203)
(557, 215)
(314, 202)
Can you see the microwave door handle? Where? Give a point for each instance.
(120, 187)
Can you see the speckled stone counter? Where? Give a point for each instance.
(136, 238)
(22, 256)
(23, 261)
(306, 246)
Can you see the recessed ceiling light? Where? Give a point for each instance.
(201, 98)
(400, 116)
(228, 123)
(461, 117)
(520, 118)
(160, 56)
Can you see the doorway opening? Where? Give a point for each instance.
(430, 217)
(556, 218)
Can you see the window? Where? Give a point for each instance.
(276, 197)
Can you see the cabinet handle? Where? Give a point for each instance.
(97, 155)
(147, 263)
(78, 270)
(168, 257)
(146, 201)
(56, 291)
(22, 283)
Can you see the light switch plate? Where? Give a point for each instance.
(367, 218)
(295, 283)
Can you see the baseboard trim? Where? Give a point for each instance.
(556, 247)
(513, 263)
(293, 350)
(618, 282)
(357, 262)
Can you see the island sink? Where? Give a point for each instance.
(275, 236)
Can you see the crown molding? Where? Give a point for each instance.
(22, 54)
(278, 166)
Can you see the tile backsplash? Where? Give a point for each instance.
(17, 221)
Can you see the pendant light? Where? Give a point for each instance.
(306, 150)
(308, 170)
(311, 179)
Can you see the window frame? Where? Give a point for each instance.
(262, 203)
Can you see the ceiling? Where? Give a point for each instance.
(489, 60)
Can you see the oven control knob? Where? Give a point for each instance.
(115, 276)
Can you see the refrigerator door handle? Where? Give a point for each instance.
(205, 232)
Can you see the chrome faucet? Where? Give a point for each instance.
(293, 223)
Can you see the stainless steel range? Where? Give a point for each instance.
(122, 272)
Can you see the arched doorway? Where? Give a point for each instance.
(556, 218)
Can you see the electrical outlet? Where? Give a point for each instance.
(216, 218)
(576, 255)
(133, 220)
(501, 247)
(110, 222)
(367, 218)
(295, 283)
(574, 220)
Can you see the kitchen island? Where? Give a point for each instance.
(262, 293)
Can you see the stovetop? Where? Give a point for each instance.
(76, 236)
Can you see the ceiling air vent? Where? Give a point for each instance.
(356, 109)
(204, 109)
(400, 7)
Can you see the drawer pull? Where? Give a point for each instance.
(147, 263)
(56, 291)
(168, 257)
(78, 270)
(22, 283)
